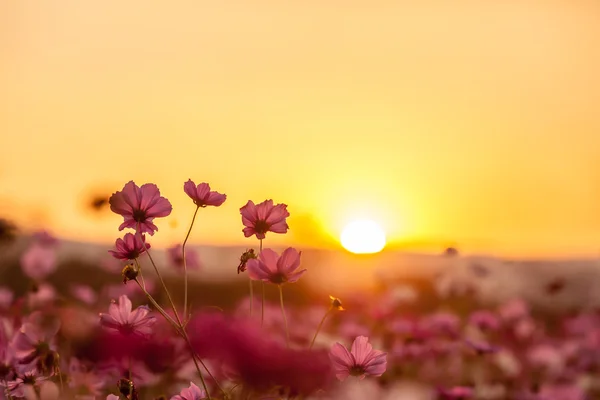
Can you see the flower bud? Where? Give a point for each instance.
(130, 272)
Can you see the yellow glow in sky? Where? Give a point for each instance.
(470, 122)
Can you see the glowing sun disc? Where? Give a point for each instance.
(363, 237)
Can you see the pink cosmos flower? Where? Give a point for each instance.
(35, 339)
(202, 194)
(122, 319)
(361, 361)
(38, 261)
(270, 267)
(264, 217)
(191, 393)
(176, 257)
(17, 387)
(139, 206)
(112, 397)
(130, 247)
(84, 293)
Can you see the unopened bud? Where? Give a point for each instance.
(336, 304)
(125, 387)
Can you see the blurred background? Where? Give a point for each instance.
(467, 124)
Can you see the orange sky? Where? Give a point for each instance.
(475, 122)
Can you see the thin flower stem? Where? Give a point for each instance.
(319, 328)
(181, 332)
(60, 378)
(158, 307)
(287, 332)
(137, 263)
(185, 273)
(162, 281)
(262, 288)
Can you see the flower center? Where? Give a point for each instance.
(278, 278)
(357, 370)
(29, 380)
(261, 226)
(126, 329)
(139, 215)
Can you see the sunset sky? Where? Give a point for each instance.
(475, 123)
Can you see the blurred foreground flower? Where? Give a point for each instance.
(260, 362)
(361, 361)
(264, 217)
(139, 206)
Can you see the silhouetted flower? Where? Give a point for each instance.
(202, 195)
(139, 206)
(264, 217)
(130, 247)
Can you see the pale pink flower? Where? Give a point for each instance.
(83, 379)
(38, 261)
(139, 206)
(84, 293)
(191, 393)
(17, 387)
(122, 319)
(361, 361)
(264, 217)
(35, 339)
(130, 247)
(192, 259)
(112, 397)
(270, 267)
(202, 195)
(41, 295)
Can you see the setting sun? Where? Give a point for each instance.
(363, 237)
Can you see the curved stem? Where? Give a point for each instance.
(319, 329)
(262, 288)
(185, 274)
(287, 332)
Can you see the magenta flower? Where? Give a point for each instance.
(38, 261)
(122, 319)
(17, 387)
(191, 393)
(264, 217)
(361, 361)
(270, 267)
(139, 206)
(130, 247)
(202, 195)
